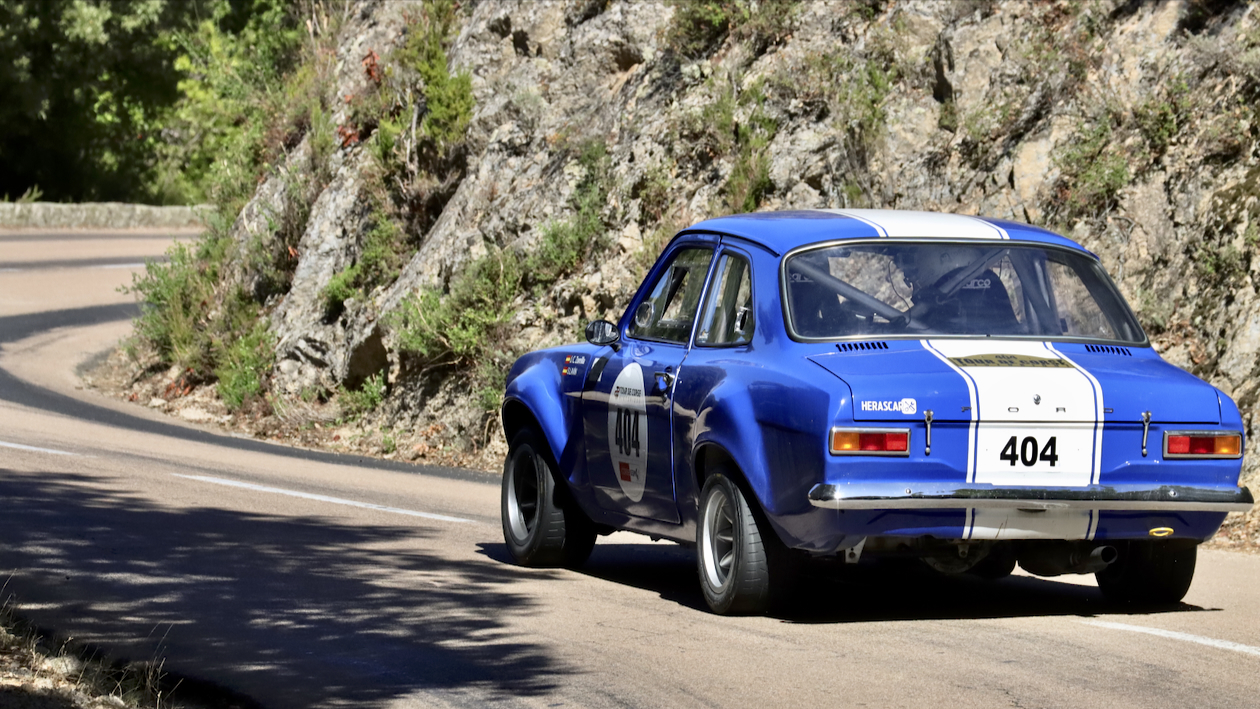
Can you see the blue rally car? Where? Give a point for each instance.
(973, 392)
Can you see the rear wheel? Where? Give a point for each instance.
(743, 566)
(541, 526)
(1149, 572)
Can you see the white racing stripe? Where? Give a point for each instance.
(897, 223)
(1174, 635)
(1098, 413)
(1037, 414)
(974, 409)
(19, 446)
(321, 498)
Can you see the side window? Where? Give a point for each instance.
(670, 310)
(728, 313)
(1079, 314)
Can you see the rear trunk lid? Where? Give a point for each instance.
(1017, 381)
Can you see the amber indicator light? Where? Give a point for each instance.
(869, 442)
(1204, 445)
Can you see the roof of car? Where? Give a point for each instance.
(783, 231)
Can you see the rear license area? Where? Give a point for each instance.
(1019, 455)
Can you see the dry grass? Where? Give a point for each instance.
(40, 672)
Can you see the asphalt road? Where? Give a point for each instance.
(303, 579)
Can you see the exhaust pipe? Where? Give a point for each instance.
(1061, 558)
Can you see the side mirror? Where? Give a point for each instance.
(602, 332)
(643, 315)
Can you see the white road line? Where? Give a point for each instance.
(19, 446)
(1174, 635)
(321, 498)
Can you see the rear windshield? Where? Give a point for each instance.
(917, 288)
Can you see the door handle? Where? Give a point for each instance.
(664, 380)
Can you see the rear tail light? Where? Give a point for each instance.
(1202, 444)
(870, 441)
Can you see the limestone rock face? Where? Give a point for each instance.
(1129, 126)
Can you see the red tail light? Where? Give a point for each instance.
(866, 441)
(1202, 444)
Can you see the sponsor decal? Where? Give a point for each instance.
(1011, 360)
(978, 284)
(628, 431)
(905, 406)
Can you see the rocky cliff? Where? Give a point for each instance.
(596, 128)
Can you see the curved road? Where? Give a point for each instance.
(302, 579)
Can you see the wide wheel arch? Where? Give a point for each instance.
(712, 456)
(516, 416)
(709, 457)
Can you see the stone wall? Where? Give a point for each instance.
(99, 215)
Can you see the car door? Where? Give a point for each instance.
(627, 412)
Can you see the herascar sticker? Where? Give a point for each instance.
(628, 431)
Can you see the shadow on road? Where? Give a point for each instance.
(295, 611)
(835, 593)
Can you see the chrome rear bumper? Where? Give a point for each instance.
(1165, 498)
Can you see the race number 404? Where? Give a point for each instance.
(1028, 451)
(627, 432)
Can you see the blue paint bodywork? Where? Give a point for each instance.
(765, 409)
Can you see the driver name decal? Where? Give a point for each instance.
(628, 431)
(1010, 360)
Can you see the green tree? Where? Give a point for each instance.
(88, 88)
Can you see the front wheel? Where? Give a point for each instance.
(1149, 572)
(540, 525)
(742, 564)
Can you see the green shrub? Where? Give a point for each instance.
(176, 296)
(469, 321)
(699, 26)
(244, 362)
(736, 125)
(566, 244)
(341, 287)
(653, 193)
(366, 398)
(1093, 172)
(1161, 117)
(749, 180)
(448, 98)
(379, 262)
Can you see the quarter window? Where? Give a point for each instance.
(669, 311)
(728, 313)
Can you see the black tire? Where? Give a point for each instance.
(1149, 572)
(541, 525)
(743, 566)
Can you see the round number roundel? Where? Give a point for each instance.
(628, 431)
